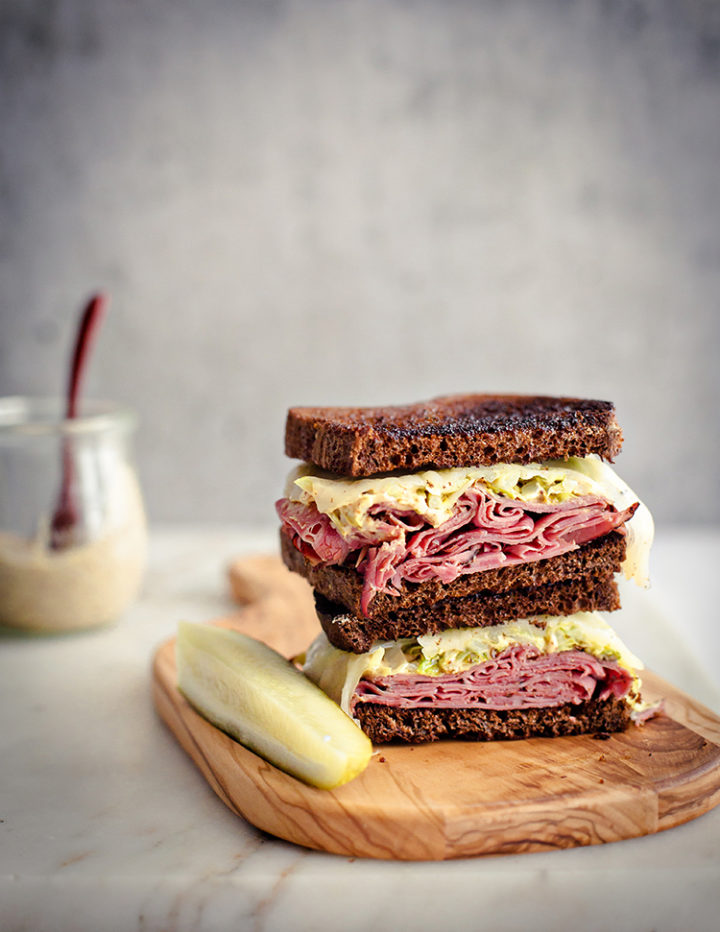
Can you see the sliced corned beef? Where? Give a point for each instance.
(521, 677)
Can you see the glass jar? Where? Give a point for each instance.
(73, 536)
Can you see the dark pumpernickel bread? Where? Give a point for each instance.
(383, 724)
(585, 594)
(343, 585)
(456, 430)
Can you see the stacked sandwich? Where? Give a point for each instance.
(461, 551)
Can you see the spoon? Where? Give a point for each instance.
(65, 518)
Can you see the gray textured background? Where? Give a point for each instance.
(365, 202)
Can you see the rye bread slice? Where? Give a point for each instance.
(354, 634)
(383, 724)
(342, 585)
(455, 430)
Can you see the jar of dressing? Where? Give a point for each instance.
(87, 575)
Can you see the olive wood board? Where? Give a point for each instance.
(457, 799)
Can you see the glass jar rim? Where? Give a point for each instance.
(36, 416)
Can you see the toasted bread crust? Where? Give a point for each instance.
(456, 430)
(590, 566)
(383, 724)
(354, 634)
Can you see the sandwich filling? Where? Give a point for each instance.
(542, 662)
(396, 529)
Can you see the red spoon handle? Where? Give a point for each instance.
(65, 516)
(89, 323)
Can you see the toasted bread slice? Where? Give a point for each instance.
(357, 634)
(456, 430)
(385, 723)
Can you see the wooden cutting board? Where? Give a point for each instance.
(453, 799)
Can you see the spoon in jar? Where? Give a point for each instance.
(65, 518)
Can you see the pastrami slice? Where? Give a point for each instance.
(521, 677)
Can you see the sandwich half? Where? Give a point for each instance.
(439, 519)
(542, 676)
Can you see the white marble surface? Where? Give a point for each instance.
(105, 824)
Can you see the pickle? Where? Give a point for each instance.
(253, 694)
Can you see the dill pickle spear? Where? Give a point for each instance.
(253, 694)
